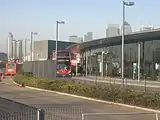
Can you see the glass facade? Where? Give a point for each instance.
(106, 61)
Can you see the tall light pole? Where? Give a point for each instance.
(32, 33)
(139, 60)
(123, 31)
(57, 36)
(102, 54)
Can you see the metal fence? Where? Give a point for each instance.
(61, 112)
(12, 110)
(44, 69)
(142, 86)
(121, 116)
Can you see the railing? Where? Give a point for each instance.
(61, 111)
(13, 110)
(21, 111)
(121, 116)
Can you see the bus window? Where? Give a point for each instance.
(10, 66)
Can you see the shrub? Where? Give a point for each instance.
(99, 91)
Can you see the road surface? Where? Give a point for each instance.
(54, 102)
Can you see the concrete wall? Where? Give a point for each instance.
(42, 69)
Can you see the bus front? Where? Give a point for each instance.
(10, 68)
(63, 67)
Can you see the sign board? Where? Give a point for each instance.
(78, 55)
(73, 62)
(78, 60)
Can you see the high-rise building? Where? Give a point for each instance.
(14, 45)
(84, 38)
(9, 46)
(20, 49)
(112, 30)
(88, 37)
(73, 38)
(146, 28)
(127, 28)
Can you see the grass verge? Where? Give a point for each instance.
(106, 92)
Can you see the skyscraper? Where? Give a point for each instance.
(112, 30)
(88, 36)
(9, 45)
(84, 38)
(20, 49)
(14, 45)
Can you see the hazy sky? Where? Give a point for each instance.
(23, 16)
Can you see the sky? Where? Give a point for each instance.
(23, 16)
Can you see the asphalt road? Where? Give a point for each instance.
(60, 107)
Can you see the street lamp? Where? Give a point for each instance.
(32, 33)
(102, 60)
(123, 21)
(103, 52)
(57, 36)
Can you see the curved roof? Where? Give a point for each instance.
(74, 48)
(131, 38)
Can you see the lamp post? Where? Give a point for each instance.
(57, 36)
(139, 60)
(102, 54)
(31, 35)
(123, 31)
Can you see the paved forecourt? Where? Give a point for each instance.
(11, 91)
(151, 84)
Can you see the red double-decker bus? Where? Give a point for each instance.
(63, 63)
(10, 68)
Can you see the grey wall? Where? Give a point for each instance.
(42, 69)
